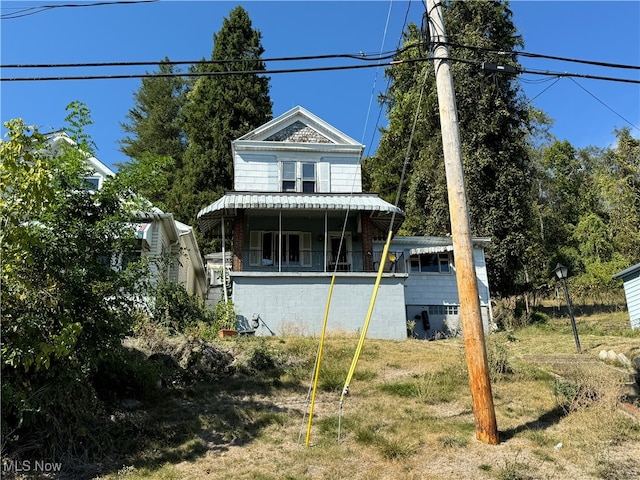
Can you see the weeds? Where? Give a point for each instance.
(431, 388)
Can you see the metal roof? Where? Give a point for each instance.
(228, 205)
(434, 249)
(627, 272)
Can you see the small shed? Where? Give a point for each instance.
(631, 281)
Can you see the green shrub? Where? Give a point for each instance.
(178, 310)
(224, 316)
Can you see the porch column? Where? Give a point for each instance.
(238, 240)
(367, 242)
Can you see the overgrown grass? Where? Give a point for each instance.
(408, 414)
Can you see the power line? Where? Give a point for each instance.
(607, 106)
(206, 74)
(359, 56)
(517, 70)
(548, 57)
(25, 12)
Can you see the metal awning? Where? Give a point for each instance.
(432, 249)
(227, 206)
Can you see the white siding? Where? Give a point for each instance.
(261, 172)
(632, 292)
(345, 174)
(255, 172)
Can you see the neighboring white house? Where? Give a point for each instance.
(162, 238)
(631, 281)
(297, 214)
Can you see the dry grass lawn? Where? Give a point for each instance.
(408, 415)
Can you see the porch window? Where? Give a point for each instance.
(431, 263)
(340, 257)
(266, 249)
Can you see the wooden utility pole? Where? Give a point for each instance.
(476, 354)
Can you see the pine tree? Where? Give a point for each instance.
(493, 121)
(154, 125)
(155, 142)
(219, 109)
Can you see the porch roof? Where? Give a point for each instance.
(228, 205)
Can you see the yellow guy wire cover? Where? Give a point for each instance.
(365, 327)
(318, 361)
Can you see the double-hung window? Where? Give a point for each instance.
(289, 176)
(308, 177)
(299, 177)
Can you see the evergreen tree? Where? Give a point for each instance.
(493, 120)
(154, 122)
(220, 108)
(155, 142)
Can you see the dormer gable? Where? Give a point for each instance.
(297, 152)
(298, 125)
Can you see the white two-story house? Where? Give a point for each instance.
(170, 245)
(297, 216)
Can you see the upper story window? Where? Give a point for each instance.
(431, 263)
(288, 176)
(298, 177)
(91, 183)
(308, 177)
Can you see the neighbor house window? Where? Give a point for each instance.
(91, 183)
(430, 263)
(443, 309)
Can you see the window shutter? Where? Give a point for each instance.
(324, 181)
(305, 249)
(255, 248)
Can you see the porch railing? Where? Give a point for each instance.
(314, 261)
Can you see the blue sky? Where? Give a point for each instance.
(585, 111)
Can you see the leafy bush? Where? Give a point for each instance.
(498, 357)
(225, 316)
(177, 310)
(67, 301)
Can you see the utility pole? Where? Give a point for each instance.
(476, 354)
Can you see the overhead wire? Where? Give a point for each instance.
(398, 49)
(356, 56)
(603, 103)
(25, 12)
